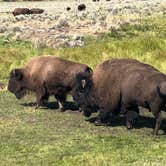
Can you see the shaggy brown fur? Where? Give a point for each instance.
(36, 11)
(122, 84)
(18, 11)
(46, 75)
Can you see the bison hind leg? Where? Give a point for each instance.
(131, 117)
(131, 113)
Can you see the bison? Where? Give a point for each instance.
(36, 11)
(46, 75)
(119, 86)
(18, 11)
(81, 7)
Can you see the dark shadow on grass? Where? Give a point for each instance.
(53, 105)
(142, 121)
(30, 104)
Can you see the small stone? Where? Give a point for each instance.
(3, 29)
(16, 29)
(68, 8)
(20, 17)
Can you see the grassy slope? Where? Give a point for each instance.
(47, 137)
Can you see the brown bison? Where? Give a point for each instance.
(18, 11)
(36, 11)
(46, 75)
(81, 7)
(121, 85)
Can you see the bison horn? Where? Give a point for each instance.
(83, 82)
(14, 72)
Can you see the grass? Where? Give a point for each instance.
(145, 42)
(48, 137)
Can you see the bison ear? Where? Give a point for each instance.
(17, 74)
(83, 83)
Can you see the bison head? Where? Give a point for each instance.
(16, 84)
(81, 93)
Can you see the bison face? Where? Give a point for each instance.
(89, 109)
(15, 84)
(80, 87)
(81, 92)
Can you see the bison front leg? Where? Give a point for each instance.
(41, 97)
(61, 99)
(103, 117)
(39, 101)
(155, 108)
(158, 123)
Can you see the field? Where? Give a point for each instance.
(48, 137)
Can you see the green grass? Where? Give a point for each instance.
(48, 137)
(145, 42)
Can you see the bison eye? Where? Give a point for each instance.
(16, 74)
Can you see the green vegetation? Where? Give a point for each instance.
(145, 42)
(48, 137)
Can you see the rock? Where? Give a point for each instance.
(68, 8)
(81, 7)
(20, 18)
(62, 23)
(75, 43)
(16, 29)
(115, 11)
(3, 29)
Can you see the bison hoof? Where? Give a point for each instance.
(37, 106)
(80, 109)
(98, 123)
(154, 133)
(62, 109)
(129, 125)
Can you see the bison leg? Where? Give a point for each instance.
(155, 108)
(39, 101)
(41, 97)
(103, 117)
(61, 99)
(131, 117)
(158, 123)
(131, 114)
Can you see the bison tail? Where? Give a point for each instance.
(162, 89)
